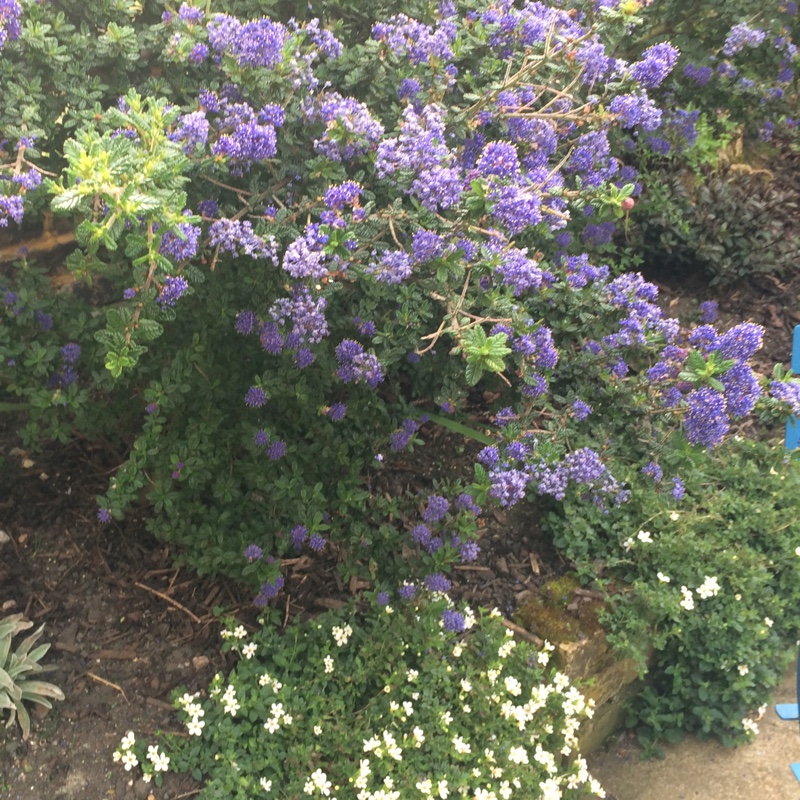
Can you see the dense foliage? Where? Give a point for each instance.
(306, 237)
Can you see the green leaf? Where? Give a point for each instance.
(474, 373)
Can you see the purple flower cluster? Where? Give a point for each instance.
(437, 583)
(10, 28)
(436, 509)
(307, 315)
(656, 63)
(399, 439)
(428, 246)
(253, 553)
(706, 420)
(636, 110)
(394, 267)
(741, 36)
(518, 271)
(581, 410)
(258, 43)
(234, 236)
(304, 257)
(268, 591)
(420, 149)
(419, 43)
(350, 130)
(181, 244)
(787, 392)
(356, 365)
(174, 287)
(453, 621)
(193, 130)
(10, 206)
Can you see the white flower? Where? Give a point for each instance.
(495, 612)
(504, 651)
(195, 727)
(446, 718)
(505, 790)
(743, 669)
(317, 730)
(320, 780)
(425, 786)
(162, 763)
(408, 708)
(419, 736)
(688, 601)
(231, 707)
(328, 661)
(240, 632)
(265, 680)
(663, 578)
(513, 686)
(442, 789)
(248, 651)
(797, 551)
(147, 777)
(628, 543)
(128, 740)
(645, 536)
(466, 686)
(460, 745)
(195, 710)
(341, 635)
(674, 516)
(129, 760)
(518, 755)
(265, 784)
(768, 622)
(272, 725)
(412, 675)
(393, 706)
(709, 588)
(750, 726)
(458, 650)
(762, 710)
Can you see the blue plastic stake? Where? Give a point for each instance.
(793, 424)
(787, 710)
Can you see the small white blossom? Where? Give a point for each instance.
(460, 745)
(513, 686)
(129, 760)
(272, 725)
(709, 588)
(645, 536)
(674, 516)
(750, 726)
(419, 736)
(248, 651)
(341, 635)
(458, 650)
(425, 786)
(442, 789)
(688, 600)
(412, 675)
(743, 669)
(317, 730)
(768, 622)
(628, 543)
(128, 740)
(265, 784)
(466, 686)
(663, 578)
(240, 632)
(328, 661)
(195, 727)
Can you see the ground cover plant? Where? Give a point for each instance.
(307, 247)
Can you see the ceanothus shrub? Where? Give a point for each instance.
(311, 245)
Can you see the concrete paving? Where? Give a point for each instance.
(694, 770)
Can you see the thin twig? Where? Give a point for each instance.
(169, 600)
(108, 683)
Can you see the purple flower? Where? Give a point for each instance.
(469, 552)
(708, 311)
(581, 410)
(407, 591)
(633, 110)
(316, 543)
(261, 439)
(706, 422)
(656, 63)
(355, 365)
(193, 130)
(181, 245)
(436, 509)
(382, 598)
(421, 534)
(740, 342)
(489, 456)
(393, 268)
(345, 194)
(678, 489)
(246, 322)
(255, 397)
(400, 439)
(70, 353)
(336, 412)
(741, 36)
(268, 591)
(453, 621)
(44, 319)
(437, 583)
(253, 552)
(787, 392)
(277, 450)
(151, 408)
(508, 486)
(104, 515)
(653, 471)
(175, 286)
(741, 390)
(299, 534)
(199, 53)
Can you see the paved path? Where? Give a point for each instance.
(696, 770)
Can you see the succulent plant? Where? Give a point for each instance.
(15, 671)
